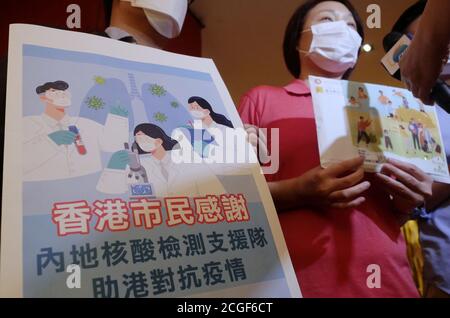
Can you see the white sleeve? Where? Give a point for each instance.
(114, 134)
(112, 181)
(38, 148)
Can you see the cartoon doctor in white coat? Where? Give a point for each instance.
(57, 146)
(167, 177)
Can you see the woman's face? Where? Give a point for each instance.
(197, 112)
(327, 11)
(147, 143)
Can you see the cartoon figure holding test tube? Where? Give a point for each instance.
(58, 146)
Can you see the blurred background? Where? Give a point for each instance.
(244, 37)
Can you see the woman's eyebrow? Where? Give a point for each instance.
(327, 11)
(335, 13)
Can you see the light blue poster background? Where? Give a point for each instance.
(82, 71)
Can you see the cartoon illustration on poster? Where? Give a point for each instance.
(101, 187)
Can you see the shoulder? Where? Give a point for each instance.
(259, 97)
(264, 92)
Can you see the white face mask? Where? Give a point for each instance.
(334, 47)
(197, 114)
(166, 16)
(59, 98)
(146, 143)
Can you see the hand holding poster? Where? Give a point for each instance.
(117, 164)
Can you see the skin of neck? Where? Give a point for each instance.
(207, 121)
(134, 21)
(159, 153)
(55, 112)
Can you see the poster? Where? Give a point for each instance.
(377, 122)
(112, 183)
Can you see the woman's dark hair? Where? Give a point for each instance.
(294, 30)
(107, 8)
(155, 132)
(218, 118)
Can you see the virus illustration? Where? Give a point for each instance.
(157, 90)
(95, 102)
(160, 117)
(174, 104)
(99, 80)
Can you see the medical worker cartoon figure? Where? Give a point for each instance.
(166, 177)
(214, 126)
(57, 146)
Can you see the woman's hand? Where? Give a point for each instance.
(338, 186)
(258, 140)
(408, 186)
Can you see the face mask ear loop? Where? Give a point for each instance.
(298, 49)
(302, 51)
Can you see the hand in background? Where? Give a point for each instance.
(420, 68)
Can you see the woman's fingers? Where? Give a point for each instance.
(344, 167)
(408, 180)
(256, 131)
(258, 140)
(349, 194)
(252, 139)
(410, 169)
(396, 188)
(348, 181)
(348, 205)
(411, 176)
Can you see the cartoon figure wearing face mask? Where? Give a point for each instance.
(212, 124)
(166, 177)
(57, 146)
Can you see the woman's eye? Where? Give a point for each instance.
(352, 25)
(326, 19)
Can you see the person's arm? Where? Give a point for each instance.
(422, 63)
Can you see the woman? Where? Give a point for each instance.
(214, 126)
(200, 109)
(168, 178)
(338, 222)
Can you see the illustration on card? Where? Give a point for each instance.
(387, 120)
